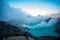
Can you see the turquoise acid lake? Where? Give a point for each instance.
(43, 31)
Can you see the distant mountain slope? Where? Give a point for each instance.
(56, 15)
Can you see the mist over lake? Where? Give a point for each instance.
(30, 19)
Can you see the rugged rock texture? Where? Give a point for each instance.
(58, 26)
(7, 30)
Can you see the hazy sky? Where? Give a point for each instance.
(36, 7)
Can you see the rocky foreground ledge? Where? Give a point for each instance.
(35, 38)
(18, 38)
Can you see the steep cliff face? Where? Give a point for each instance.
(7, 30)
(58, 26)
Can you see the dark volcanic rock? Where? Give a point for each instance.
(58, 26)
(47, 20)
(47, 38)
(7, 30)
